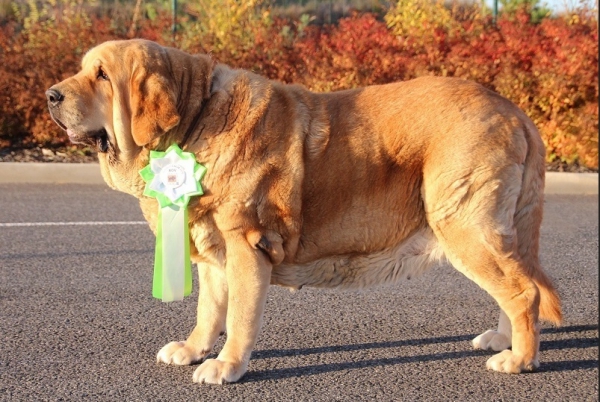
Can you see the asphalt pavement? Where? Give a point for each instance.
(89, 173)
(77, 320)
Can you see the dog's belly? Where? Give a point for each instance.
(411, 257)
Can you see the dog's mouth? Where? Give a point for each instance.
(97, 139)
(102, 142)
(60, 123)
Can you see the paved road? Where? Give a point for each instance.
(77, 321)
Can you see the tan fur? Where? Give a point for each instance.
(347, 189)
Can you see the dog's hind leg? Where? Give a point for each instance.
(505, 278)
(474, 222)
(497, 340)
(527, 222)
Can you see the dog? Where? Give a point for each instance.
(337, 190)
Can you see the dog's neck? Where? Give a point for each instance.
(123, 174)
(212, 104)
(193, 77)
(206, 104)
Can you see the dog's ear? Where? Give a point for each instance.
(153, 107)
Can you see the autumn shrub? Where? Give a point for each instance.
(41, 48)
(418, 18)
(34, 57)
(549, 69)
(357, 52)
(226, 24)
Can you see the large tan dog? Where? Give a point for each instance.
(346, 189)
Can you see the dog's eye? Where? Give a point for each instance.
(102, 75)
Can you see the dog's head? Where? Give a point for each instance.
(128, 94)
(122, 98)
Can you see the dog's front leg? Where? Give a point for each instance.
(212, 310)
(248, 273)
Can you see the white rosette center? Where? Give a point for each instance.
(173, 176)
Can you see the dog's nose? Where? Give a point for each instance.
(54, 97)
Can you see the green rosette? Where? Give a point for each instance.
(172, 177)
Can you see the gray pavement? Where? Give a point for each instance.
(89, 173)
(82, 173)
(77, 320)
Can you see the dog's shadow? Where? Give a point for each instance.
(572, 343)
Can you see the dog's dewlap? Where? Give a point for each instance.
(172, 177)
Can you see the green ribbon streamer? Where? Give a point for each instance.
(172, 279)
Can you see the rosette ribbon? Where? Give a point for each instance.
(172, 177)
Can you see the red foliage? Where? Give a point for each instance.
(32, 61)
(550, 69)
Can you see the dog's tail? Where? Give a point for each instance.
(528, 219)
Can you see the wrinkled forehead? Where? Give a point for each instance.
(137, 50)
(98, 55)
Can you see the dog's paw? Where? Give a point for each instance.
(492, 340)
(180, 353)
(507, 362)
(215, 371)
